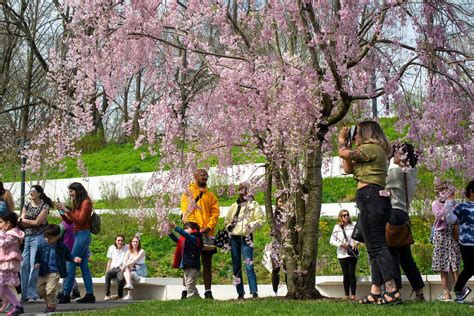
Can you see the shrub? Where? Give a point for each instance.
(159, 251)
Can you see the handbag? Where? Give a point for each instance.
(223, 235)
(208, 243)
(351, 251)
(357, 233)
(400, 236)
(222, 238)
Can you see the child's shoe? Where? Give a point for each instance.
(50, 309)
(17, 310)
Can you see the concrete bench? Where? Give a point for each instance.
(143, 289)
(330, 286)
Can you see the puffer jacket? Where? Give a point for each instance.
(10, 255)
(62, 254)
(251, 218)
(206, 211)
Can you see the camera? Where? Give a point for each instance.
(350, 136)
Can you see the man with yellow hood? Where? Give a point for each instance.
(199, 205)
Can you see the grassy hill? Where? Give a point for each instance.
(110, 159)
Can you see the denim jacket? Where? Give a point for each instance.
(62, 254)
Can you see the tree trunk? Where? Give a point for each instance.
(301, 257)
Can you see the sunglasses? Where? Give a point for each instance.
(345, 215)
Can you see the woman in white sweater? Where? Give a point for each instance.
(347, 251)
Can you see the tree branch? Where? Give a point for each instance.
(198, 51)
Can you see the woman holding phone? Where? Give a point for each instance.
(80, 214)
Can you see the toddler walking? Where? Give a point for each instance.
(51, 260)
(11, 238)
(188, 255)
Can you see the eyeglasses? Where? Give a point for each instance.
(345, 215)
(33, 191)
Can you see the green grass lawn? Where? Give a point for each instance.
(272, 306)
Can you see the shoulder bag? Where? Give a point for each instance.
(351, 251)
(400, 236)
(223, 235)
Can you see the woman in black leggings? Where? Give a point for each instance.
(347, 254)
(368, 161)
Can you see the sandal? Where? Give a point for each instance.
(419, 297)
(366, 300)
(394, 300)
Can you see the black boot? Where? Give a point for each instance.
(208, 295)
(64, 299)
(184, 294)
(87, 299)
(75, 294)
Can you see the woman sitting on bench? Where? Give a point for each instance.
(133, 266)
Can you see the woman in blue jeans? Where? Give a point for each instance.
(33, 220)
(243, 218)
(80, 214)
(368, 161)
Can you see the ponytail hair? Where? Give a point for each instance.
(43, 195)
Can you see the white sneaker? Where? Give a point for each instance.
(127, 298)
(128, 287)
(107, 298)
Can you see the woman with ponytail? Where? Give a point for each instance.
(33, 220)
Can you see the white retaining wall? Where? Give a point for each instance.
(329, 286)
(57, 188)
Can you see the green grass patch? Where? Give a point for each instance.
(280, 306)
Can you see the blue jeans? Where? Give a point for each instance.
(82, 240)
(238, 246)
(28, 274)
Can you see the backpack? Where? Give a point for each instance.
(95, 223)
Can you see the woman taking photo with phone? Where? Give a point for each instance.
(368, 161)
(80, 214)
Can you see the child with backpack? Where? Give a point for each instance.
(188, 255)
(11, 238)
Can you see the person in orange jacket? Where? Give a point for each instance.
(200, 206)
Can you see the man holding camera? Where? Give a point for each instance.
(200, 206)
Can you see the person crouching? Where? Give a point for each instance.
(188, 255)
(51, 261)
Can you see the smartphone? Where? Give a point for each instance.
(61, 212)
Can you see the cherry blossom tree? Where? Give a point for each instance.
(275, 77)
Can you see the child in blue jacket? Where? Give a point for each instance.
(188, 255)
(51, 260)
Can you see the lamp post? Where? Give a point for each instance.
(23, 144)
